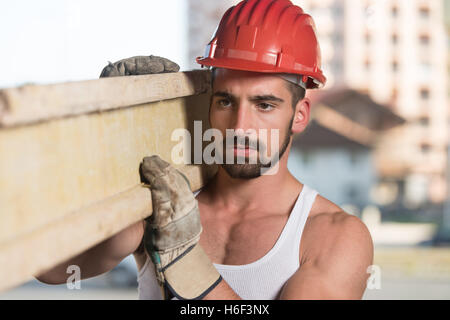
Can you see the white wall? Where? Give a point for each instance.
(332, 171)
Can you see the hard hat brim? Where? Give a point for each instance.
(317, 79)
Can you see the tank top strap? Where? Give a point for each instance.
(300, 215)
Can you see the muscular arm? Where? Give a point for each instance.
(339, 251)
(99, 259)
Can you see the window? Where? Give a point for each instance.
(394, 66)
(394, 12)
(424, 12)
(367, 64)
(424, 39)
(424, 93)
(425, 147)
(394, 39)
(424, 120)
(367, 37)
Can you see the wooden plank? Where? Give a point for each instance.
(55, 167)
(57, 160)
(76, 232)
(33, 103)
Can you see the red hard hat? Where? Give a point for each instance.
(273, 36)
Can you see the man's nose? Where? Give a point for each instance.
(242, 119)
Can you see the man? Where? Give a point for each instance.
(249, 233)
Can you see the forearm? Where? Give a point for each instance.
(99, 259)
(91, 263)
(58, 274)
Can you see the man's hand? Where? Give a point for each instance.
(172, 233)
(139, 65)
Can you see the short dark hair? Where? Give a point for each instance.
(298, 92)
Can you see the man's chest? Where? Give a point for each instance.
(233, 240)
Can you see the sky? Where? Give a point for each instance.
(49, 41)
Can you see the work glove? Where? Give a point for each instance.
(173, 231)
(139, 65)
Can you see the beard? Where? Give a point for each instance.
(252, 171)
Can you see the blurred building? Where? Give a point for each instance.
(446, 219)
(335, 154)
(203, 18)
(396, 52)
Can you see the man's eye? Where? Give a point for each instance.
(265, 106)
(224, 103)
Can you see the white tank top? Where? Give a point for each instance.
(262, 279)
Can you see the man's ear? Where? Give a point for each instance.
(301, 115)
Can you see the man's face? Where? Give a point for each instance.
(248, 102)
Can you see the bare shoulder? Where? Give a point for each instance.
(331, 232)
(335, 252)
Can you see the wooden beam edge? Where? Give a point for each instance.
(36, 103)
